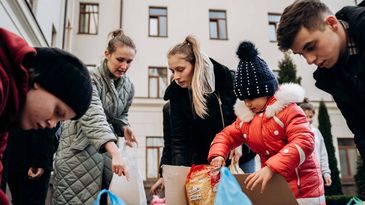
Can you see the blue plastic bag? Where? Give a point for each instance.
(229, 191)
(113, 199)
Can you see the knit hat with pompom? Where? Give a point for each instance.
(253, 78)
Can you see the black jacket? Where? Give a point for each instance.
(167, 133)
(31, 148)
(346, 80)
(192, 135)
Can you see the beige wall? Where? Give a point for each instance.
(90, 48)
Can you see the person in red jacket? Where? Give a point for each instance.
(38, 88)
(274, 127)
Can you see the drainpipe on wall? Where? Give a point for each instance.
(64, 25)
(121, 14)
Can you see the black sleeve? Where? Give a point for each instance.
(180, 140)
(166, 153)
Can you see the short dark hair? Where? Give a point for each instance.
(306, 13)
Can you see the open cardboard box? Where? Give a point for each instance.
(277, 191)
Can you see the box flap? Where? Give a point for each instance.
(277, 191)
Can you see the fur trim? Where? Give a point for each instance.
(242, 111)
(286, 94)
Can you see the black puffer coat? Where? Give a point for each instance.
(192, 136)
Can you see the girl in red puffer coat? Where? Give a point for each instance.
(274, 127)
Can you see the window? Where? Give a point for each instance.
(273, 25)
(154, 146)
(158, 22)
(89, 18)
(217, 25)
(157, 81)
(348, 157)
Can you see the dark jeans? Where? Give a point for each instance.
(25, 191)
(248, 167)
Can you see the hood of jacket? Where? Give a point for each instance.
(286, 94)
(14, 54)
(13, 51)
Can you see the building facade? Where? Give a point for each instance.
(40, 22)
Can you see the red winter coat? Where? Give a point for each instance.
(282, 137)
(13, 86)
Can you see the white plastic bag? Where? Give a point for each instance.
(132, 190)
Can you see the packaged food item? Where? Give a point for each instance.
(202, 184)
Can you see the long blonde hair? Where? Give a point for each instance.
(203, 81)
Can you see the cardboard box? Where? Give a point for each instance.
(174, 179)
(277, 191)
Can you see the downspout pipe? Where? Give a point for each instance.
(64, 25)
(121, 14)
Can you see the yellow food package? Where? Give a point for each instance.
(202, 184)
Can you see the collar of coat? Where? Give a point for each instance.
(286, 94)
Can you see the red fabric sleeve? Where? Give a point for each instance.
(228, 139)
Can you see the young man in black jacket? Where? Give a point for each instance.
(336, 44)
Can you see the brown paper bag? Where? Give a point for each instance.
(174, 179)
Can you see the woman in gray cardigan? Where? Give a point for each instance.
(81, 168)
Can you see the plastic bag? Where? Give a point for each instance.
(229, 191)
(355, 201)
(201, 184)
(131, 190)
(113, 200)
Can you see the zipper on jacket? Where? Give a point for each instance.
(220, 108)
